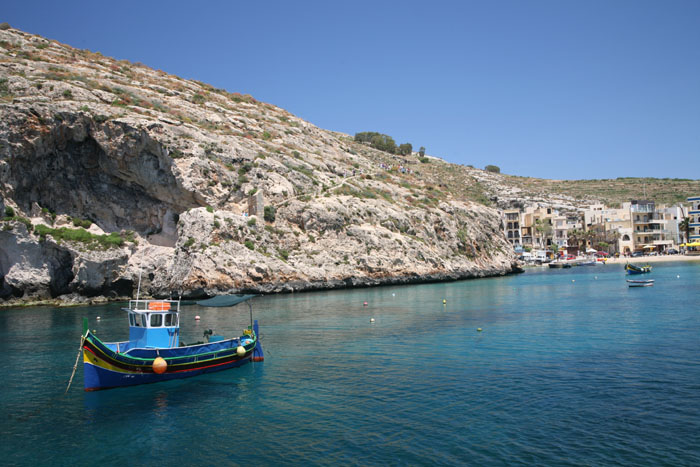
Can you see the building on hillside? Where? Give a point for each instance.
(256, 204)
(526, 230)
(694, 219)
(540, 221)
(564, 224)
(559, 235)
(649, 231)
(594, 214)
(603, 227)
(674, 215)
(511, 225)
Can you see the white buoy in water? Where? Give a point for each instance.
(678, 276)
(240, 350)
(596, 277)
(393, 295)
(197, 318)
(371, 320)
(573, 280)
(478, 329)
(98, 318)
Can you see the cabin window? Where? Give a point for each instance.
(131, 319)
(156, 320)
(171, 319)
(143, 320)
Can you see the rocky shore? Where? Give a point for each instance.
(111, 170)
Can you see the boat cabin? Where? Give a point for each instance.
(154, 323)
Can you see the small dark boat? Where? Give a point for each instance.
(632, 269)
(642, 283)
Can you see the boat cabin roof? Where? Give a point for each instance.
(150, 306)
(151, 314)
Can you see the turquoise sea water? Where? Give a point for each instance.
(572, 367)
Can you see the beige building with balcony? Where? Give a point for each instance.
(511, 226)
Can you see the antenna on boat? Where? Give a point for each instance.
(138, 289)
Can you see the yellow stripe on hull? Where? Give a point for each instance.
(88, 357)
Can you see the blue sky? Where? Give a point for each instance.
(543, 88)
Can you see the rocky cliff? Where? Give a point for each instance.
(109, 170)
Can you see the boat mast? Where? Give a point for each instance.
(138, 289)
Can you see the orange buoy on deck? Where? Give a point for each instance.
(160, 365)
(159, 306)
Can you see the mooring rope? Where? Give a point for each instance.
(75, 367)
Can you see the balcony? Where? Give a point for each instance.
(642, 208)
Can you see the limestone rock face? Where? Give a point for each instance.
(115, 172)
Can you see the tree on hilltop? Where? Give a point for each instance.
(405, 149)
(377, 141)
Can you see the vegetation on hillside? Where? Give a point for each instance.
(383, 142)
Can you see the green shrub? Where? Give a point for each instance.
(245, 168)
(269, 214)
(493, 169)
(4, 88)
(252, 221)
(405, 149)
(68, 94)
(9, 212)
(250, 245)
(210, 209)
(77, 222)
(23, 220)
(81, 235)
(189, 242)
(284, 254)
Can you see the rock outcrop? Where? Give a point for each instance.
(110, 171)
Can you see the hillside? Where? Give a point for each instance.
(110, 169)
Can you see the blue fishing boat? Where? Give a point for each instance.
(154, 352)
(632, 269)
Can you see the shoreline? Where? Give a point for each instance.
(653, 259)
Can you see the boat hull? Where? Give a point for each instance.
(97, 377)
(632, 269)
(104, 368)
